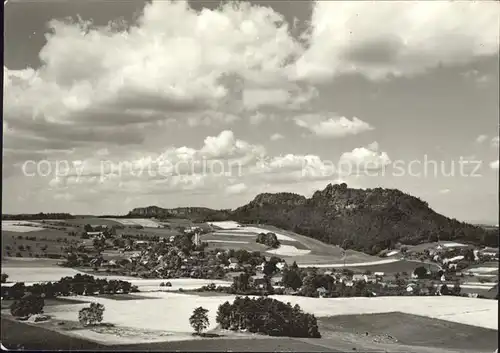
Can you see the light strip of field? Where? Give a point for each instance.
(227, 241)
(469, 286)
(358, 264)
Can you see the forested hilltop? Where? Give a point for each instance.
(368, 220)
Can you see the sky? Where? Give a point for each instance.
(112, 105)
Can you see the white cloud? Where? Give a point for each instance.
(481, 138)
(236, 188)
(494, 165)
(332, 127)
(110, 95)
(494, 142)
(400, 38)
(444, 191)
(258, 118)
(276, 136)
(364, 158)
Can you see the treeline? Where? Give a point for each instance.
(267, 316)
(27, 217)
(66, 286)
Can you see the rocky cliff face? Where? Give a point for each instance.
(200, 214)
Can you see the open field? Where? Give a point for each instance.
(34, 337)
(93, 221)
(20, 226)
(295, 247)
(37, 337)
(340, 263)
(13, 262)
(142, 315)
(51, 240)
(161, 232)
(392, 267)
(225, 224)
(413, 330)
(145, 222)
(288, 250)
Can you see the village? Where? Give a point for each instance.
(443, 270)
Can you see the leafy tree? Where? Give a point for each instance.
(88, 228)
(29, 304)
(99, 244)
(445, 290)
(420, 272)
(4, 277)
(469, 255)
(270, 239)
(241, 283)
(91, 315)
(199, 320)
(456, 289)
(291, 279)
(183, 242)
(269, 268)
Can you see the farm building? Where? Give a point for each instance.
(277, 281)
(258, 281)
(359, 278)
(321, 292)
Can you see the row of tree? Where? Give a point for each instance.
(66, 286)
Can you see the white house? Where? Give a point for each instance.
(321, 292)
(358, 278)
(280, 265)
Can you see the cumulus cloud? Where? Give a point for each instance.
(481, 138)
(399, 38)
(365, 158)
(494, 142)
(332, 127)
(236, 188)
(277, 136)
(108, 83)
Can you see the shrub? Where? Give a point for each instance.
(27, 305)
(91, 315)
(18, 254)
(4, 277)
